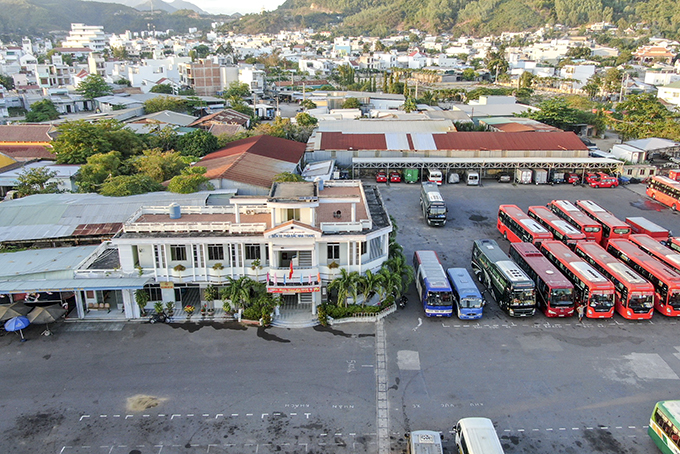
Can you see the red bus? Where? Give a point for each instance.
(644, 226)
(657, 250)
(555, 292)
(634, 294)
(674, 243)
(664, 190)
(570, 213)
(665, 280)
(561, 230)
(612, 227)
(590, 287)
(517, 227)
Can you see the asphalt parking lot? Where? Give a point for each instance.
(549, 385)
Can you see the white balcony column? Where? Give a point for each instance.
(237, 213)
(242, 248)
(273, 259)
(354, 212)
(167, 261)
(205, 261)
(79, 303)
(273, 216)
(129, 303)
(155, 265)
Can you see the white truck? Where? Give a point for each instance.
(540, 176)
(523, 176)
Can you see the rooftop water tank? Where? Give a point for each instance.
(175, 211)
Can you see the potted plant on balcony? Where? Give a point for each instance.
(141, 298)
(179, 269)
(158, 307)
(210, 295)
(256, 266)
(218, 267)
(170, 308)
(204, 310)
(189, 309)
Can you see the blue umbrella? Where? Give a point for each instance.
(17, 324)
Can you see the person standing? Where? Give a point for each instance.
(581, 310)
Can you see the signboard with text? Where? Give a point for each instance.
(312, 289)
(164, 284)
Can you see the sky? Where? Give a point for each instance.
(233, 6)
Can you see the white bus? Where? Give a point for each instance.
(424, 442)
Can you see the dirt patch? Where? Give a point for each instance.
(141, 402)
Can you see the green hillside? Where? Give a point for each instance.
(37, 17)
(476, 17)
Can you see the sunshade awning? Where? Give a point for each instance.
(70, 285)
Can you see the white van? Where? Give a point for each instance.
(434, 176)
(424, 442)
(472, 178)
(477, 436)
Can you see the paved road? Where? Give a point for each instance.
(549, 386)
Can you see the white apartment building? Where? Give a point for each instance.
(253, 77)
(90, 36)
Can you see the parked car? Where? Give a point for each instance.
(604, 181)
(381, 177)
(573, 178)
(395, 177)
(504, 177)
(591, 177)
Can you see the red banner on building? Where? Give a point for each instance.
(293, 289)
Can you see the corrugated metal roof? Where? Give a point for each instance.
(268, 146)
(64, 285)
(652, 143)
(423, 125)
(397, 141)
(423, 142)
(43, 216)
(340, 141)
(34, 261)
(25, 133)
(524, 141)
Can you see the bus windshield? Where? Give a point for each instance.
(437, 210)
(438, 299)
(591, 229)
(523, 297)
(562, 297)
(622, 230)
(674, 300)
(471, 303)
(641, 301)
(602, 300)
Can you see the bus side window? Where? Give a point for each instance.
(463, 444)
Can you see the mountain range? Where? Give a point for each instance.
(158, 5)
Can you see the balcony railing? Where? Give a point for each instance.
(178, 227)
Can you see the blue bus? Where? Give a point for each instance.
(434, 291)
(468, 299)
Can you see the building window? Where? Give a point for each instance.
(629, 171)
(293, 214)
(651, 172)
(642, 171)
(363, 247)
(252, 251)
(215, 252)
(178, 253)
(333, 251)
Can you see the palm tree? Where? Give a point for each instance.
(369, 283)
(394, 249)
(238, 291)
(345, 285)
(392, 283)
(400, 268)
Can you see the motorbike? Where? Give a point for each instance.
(402, 302)
(158, 318)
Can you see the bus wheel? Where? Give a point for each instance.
(654, 196)
(505, 235)
(674, 208)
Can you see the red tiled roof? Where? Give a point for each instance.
(266, 146)
(527, 141)
(97, 229)
(23, 153)
(226, 116)
(25, 133)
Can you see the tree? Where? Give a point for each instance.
(160, 103)
(202, 51)
(125, 185)
(99, 167)
(642, 116)
(345, 285)
(304, 119)
(120, 53)
(557, 112)
(287, 177)
(77, 140)
(190, 180)
(399, 267)
(7, 82)
(308, 104)
(159, 165)
(526, 79)
(237, 90)
(496, 62)
(469, 74)
(42, 111)
(36, 181)
(162, 88)
(410, 105)
(369, 284)
(238, 291)
(351, 103)
(579, 52)
(197, 143)
(93, 86)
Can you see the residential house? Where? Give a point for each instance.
(216, 122)
(26, 142)
(649, 54)
(670, 93)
